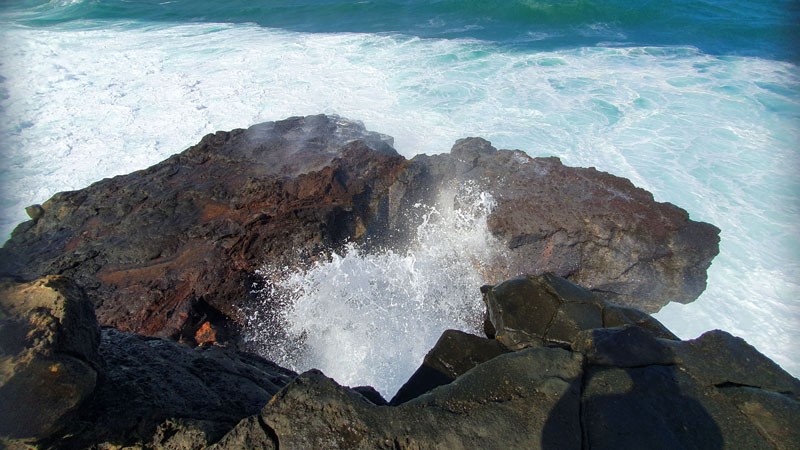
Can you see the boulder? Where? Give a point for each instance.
(165, 250)
(49, 360)
(546, 309)
(454, 354)
(621, 387)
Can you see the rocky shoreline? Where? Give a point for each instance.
(162, 251)
(121, 315)
(560, 369)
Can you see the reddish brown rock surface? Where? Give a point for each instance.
(206, 334)
(164, 250)
(161, 250)
(594, 228)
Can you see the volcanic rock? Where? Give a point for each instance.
(455, 353)
(153, 388)
(622, 387)
(66, 383)
(48, 355)
(534, 310)
(526, 389)
(596, 229)
(164, 250)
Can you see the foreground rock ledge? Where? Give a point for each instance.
(170, 251)
(596, 376)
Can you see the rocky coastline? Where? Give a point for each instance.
(121, 309)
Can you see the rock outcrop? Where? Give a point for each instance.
(164, 250)
(454, 354)
(170, 251)
(67, 384)
(619, 380)
(621, 387)
(594, 228)
(151, 388)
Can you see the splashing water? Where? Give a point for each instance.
(369, 318)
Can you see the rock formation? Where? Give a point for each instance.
(66, 384)
(624, 387)
(595, 229)
(619, 380)
(49, 361)
(170, 251)
(164, 250)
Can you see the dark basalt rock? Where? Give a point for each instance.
(629, 346)
(620, 387)
(167, 250)
(162, 250)
(624, 387)
(65, 383)
(149, 383)
(454, 354)
(527, 388)
(594, 228)
(534, 310)
(371, 394)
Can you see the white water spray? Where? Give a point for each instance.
(369, 318)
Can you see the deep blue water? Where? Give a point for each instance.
(768, 28)
(696, 101)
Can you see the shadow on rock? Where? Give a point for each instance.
(634, 408)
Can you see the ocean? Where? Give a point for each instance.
(695, 101)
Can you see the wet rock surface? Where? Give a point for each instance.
(152, 388)
(532, 310)
(454, 354)
(167, 250)
(620, 387)
(168, 254)
(163, 250)
(65, 383)
(596, 229)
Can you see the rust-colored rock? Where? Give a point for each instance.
(162, 250)
(157, 249)
(206, 335)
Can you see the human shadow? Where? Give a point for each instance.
(623, 407)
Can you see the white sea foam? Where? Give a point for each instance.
(369, 318)
(715, 135)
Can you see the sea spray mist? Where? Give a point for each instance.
(369, 317)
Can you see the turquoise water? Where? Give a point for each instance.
(697, 102)
(764, 28)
